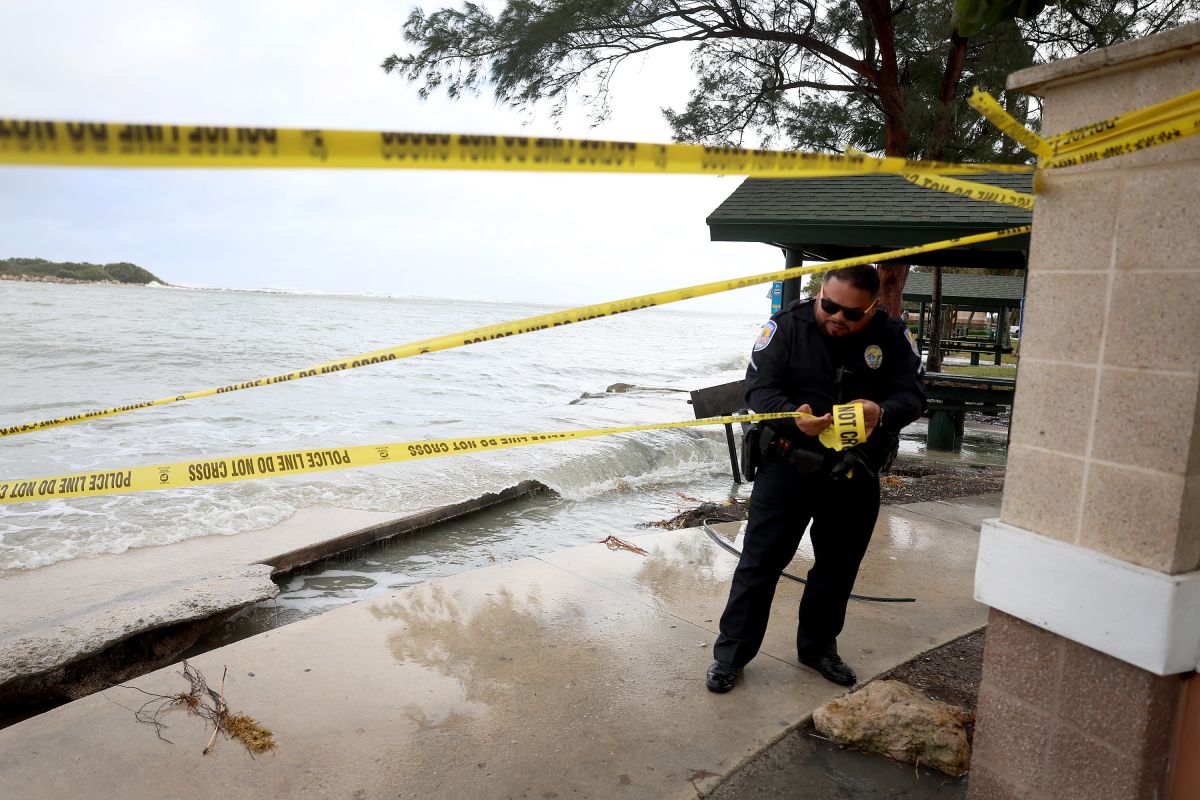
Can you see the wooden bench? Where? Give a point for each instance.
(972, 346)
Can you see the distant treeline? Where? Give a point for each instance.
(122, 272)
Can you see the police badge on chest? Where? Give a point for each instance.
(873, 355)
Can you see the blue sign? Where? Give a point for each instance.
(776, 297)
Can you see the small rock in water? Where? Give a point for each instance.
(891, 718)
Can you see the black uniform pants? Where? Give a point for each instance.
(843, 514)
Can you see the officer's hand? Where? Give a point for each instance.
(812, 425)
(870, 414)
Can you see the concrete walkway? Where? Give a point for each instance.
(576, 674)
(83, 606)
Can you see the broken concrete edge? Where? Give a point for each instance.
(709, 785)
(64, 644)
(90, 666)
(385, 531)
(133, 656)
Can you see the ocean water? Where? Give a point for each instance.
(69, 348)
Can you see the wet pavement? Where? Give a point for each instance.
(575, 673)
(805, 765)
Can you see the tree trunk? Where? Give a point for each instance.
(935, 147)
(891, 92)
(891, 287)
(892, 277)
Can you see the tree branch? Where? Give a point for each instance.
(832, 87)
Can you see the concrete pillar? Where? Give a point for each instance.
(1091, 570)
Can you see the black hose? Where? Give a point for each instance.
(724, 545)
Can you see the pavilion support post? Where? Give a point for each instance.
(1001, 327)
(933, 361)
(792, 289)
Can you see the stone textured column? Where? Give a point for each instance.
(1105, 451)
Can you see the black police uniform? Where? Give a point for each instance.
(794, 363)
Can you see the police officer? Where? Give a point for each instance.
(837, 348)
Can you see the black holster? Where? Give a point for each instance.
(759, 441)
(751, 450)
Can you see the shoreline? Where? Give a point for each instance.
(56, 279)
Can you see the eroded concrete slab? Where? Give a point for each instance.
(60, 614)
(577, 674)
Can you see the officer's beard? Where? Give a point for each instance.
(834, 329)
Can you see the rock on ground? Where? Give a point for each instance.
(895, 720)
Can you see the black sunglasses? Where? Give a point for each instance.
(851, 314)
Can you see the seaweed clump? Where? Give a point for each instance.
(202, 701)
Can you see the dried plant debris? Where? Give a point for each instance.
(246, 729)
(618, 544)
(202, 701)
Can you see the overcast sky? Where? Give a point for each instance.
(560, 239)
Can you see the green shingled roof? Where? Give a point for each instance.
(968, 291)
(829, 218)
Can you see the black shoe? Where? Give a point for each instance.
(721, 677)
(832, 668)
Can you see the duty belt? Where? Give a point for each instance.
(808, 462)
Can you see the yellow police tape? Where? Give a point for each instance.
(976, 191)
(102, 144)
(516, 327)
(1142, 138)
(972, 189)
(987, 105)
(1136, 131)
(1161, 112)
(848, 427)
(847, 430)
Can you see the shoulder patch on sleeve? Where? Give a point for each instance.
(765, 335)
(912, 342)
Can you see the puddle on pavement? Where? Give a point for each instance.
(528, 527)
(828, 772)
(984, 445)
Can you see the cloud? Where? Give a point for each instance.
(541, 238)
